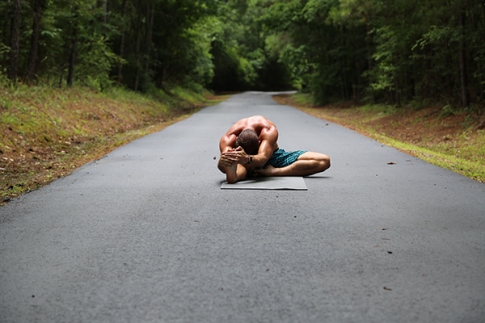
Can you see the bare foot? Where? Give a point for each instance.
(231, 174)
(267, 171)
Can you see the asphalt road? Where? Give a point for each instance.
(145, 234)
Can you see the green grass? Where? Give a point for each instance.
(471, 167)
(378, 109)
(303, 99)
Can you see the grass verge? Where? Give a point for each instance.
(46, 133)
(455, 141)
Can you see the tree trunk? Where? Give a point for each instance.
(103, 5)
(34, 43)
(369, 50)
(6, 35)
(15, 41)
(105, 11)
(149, 28)
(72, 55)
(137, 54)
(465, 99)
(122, 41)
(61, 76)
(72, 58)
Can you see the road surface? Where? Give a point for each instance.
(145, 234)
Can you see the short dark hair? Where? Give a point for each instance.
(248, 139)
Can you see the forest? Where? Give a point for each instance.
(399, 52)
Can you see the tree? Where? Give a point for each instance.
(119, 74)
(73, 45)
(15, 41)
(37, 6)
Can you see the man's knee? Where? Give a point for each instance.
(323, 163)
(327, 162)
(319, 162)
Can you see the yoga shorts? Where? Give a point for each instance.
(282, 158)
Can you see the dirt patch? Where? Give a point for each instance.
(422, 127)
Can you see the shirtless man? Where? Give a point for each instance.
(250, 148)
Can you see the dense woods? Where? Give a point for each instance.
(398, 52)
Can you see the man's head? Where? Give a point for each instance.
(248, 139)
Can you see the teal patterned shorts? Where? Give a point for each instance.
(282, 158)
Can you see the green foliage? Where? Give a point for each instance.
(381, 51)
(397, 51)
(95, 65)
(242, 61)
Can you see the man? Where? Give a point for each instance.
(250, 148)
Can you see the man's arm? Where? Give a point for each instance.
(227, 143)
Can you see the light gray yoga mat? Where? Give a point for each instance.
(268, 183)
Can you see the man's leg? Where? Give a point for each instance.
(235, 172)
(307, 164)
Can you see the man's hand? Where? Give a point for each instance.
(226, 160)
(234, 155)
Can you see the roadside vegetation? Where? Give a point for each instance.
(46, 133)
(454, 140)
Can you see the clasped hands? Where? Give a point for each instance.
(233, 156)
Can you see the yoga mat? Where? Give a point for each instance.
(268, 183)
